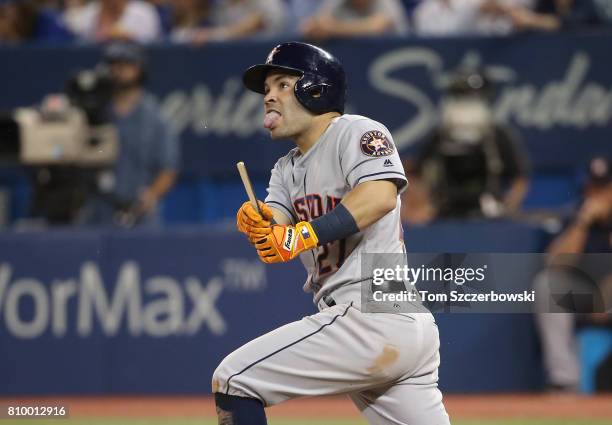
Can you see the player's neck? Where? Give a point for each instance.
(309, 138)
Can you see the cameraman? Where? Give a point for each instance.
(472, 165)
(147, 164)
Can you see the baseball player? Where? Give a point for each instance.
(332, 198)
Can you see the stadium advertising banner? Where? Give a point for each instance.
(133, 312)
(156, 311)
(562, 105)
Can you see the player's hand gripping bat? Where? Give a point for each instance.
(254, 218)
(275, 243)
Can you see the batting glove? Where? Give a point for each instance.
(253, 225)
(286, 242)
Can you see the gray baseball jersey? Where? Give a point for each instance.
(386, 363)
(354, 149)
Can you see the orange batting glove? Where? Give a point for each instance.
(286, 242)
(253, 225)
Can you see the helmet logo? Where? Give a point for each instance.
(375, 143)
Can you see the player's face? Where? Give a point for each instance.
(285, 116)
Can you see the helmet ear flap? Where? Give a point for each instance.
(317, 90)
(317, 95)
(313, 96)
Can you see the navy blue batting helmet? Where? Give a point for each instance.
(322, 84)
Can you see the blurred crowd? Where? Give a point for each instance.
(202, 21)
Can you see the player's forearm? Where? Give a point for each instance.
(571, 241)
(542, 22)
(516, 194)
(362, 206)
(162, 183)
(365, 204)
(370, 201)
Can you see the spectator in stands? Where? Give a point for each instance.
(164, 11)
(554, 15)
(17, 21)
(26, 20)
(466, 17)
(50, 25)
(299, 11)
(148, 153)
(544, 15)
(589, 230)
(354, 18)
(188, 18)
(105, 20)
(589, 13)
(29, 20)
(232, 19)
(470, 165)
(71, 11)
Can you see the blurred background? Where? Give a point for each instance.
(120, 125)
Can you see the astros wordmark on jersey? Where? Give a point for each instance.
(353, 149)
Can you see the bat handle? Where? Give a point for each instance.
(248, 187)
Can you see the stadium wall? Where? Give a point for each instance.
(153, 312)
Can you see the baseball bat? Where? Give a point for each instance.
(247, 185)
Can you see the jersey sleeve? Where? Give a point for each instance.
(278, 194)
(367, 152)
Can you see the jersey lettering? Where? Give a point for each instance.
(311, 206)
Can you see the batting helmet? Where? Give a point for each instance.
(322, 84)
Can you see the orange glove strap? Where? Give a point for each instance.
(285, 243)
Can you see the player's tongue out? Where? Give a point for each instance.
(271, 119)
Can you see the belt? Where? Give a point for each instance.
(341, 295)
